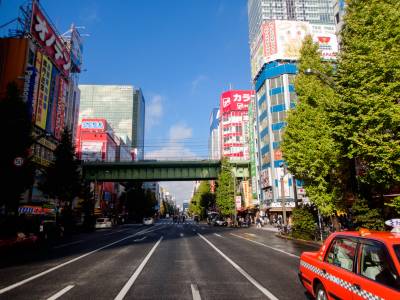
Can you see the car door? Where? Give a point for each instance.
(338, 267)
(377, 277)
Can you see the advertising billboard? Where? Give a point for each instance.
(92, 150)
(93, 125)
(76, 51)
(236, 100)
(282, 40)
(47, 37)
(59, 123)
(13, 54)
(43, 93)
(253, 173)
(325, 36)
(29, 87)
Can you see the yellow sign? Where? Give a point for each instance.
(44, 93)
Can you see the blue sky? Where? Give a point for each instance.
(182, 53)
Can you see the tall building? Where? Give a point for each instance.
(234, 123)
(45, 67)
(276, 32)
(214, 143)
(313, 11)
(339, 7)
(123, 106)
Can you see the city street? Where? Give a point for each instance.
(164, 261)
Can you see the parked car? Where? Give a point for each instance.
(354, 265)
(219, 222)
(148, 221)
(103, 223)
(17, 241)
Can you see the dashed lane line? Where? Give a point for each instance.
(241, 271)
(195, 292)
(60, 293)
(261, 244)
(217, 234)
(135, 275)
(22, 282)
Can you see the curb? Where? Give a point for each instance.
(314, 243)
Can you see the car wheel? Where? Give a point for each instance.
(320, 293)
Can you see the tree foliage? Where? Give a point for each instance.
(368, 114)
(202, 200)
(17, 135)
(63, 178)
(140, 202)
(366, 217)
(308, 144)
(304, 223)
(225, 201)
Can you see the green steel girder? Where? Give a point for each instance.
(159, 170)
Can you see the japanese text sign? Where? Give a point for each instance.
(236, 100)
(47, 37)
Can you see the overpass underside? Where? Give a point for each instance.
(159, 170)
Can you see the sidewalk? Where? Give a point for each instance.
(269, 228)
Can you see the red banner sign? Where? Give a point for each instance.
(236, 100)
(48, 39)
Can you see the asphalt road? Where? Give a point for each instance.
(164, 261)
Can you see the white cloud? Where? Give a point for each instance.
(197, 81)
(174, 148)
(154, 111)
(181, 190)
(179, 132)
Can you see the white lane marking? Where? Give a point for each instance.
(250, 234)
(217, 234)
(195, 292)
(60, 293)
(22, 282)
(241, 271)
(135, 275)
(139, 240)
(109, 233)
(194, 230)
(67, 244)
(261, 244)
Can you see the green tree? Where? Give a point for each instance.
(366, 217)
(368, 114)
(16, 125)
(304, 223)
(308, 146)
(202, 200)
(63, 179)
(140, 202)
(225, 191)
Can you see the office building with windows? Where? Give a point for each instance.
(123, 106)
(313, 11)
(214, 142)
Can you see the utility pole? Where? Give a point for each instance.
(284, 171)
(296, 204)
(283, 201)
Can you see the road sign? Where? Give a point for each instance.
(18, 161)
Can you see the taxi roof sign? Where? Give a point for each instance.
(395, 223)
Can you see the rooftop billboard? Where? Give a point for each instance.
(282, 40)
(236, 100)
(48, 39)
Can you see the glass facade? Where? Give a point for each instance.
(122, 106)
(314, 11)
